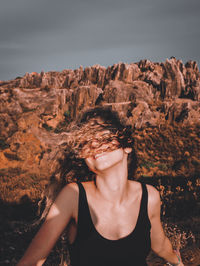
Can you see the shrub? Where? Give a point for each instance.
(3, 144)
(147, 164)
(163, 167)
(48, 128)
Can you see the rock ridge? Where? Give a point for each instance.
(157, 99)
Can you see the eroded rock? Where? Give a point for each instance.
(153, 97)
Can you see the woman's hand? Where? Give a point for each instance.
(179, 256)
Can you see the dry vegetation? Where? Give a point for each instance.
(167, 158)
(170, 151)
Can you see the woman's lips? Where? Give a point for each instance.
(99, 155)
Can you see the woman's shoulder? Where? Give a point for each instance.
(153, 193)
(74, 186)
(137, 184)
(154, 201)
(70, 188)
(69, 194)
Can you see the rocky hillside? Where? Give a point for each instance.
(161, 101)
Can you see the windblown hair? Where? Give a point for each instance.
(94, 128)
(98, 125)
(102, 126)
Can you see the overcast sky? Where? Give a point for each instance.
(47, 35)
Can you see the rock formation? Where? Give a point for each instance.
(160, 100)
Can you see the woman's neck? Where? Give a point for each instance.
(112, 184)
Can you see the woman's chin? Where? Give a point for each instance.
(102, 166)
(104, 161)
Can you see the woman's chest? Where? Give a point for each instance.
(113, 222)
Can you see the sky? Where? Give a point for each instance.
(52, 35)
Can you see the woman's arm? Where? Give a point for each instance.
(160, 244)
(60, 213)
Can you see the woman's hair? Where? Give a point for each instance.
(100, 124)
(104, 126)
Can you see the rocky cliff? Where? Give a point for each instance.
(160, 100)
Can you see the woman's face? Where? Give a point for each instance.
(106, 156)
(104, 160)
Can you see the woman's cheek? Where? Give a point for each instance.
(90, 163)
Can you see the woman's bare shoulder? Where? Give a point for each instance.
(69, 194)
(67, 200)
(153, 193)
(135, 185)
(69, 190)
(151, 189)
(73, 188)
(154, 202)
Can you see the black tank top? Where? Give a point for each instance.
(92, 249)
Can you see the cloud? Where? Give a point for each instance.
(60, 34)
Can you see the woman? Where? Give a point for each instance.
(111, 219)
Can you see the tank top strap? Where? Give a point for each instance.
(82, 203)
(84, 220)
(82, 194)
(144, 203)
